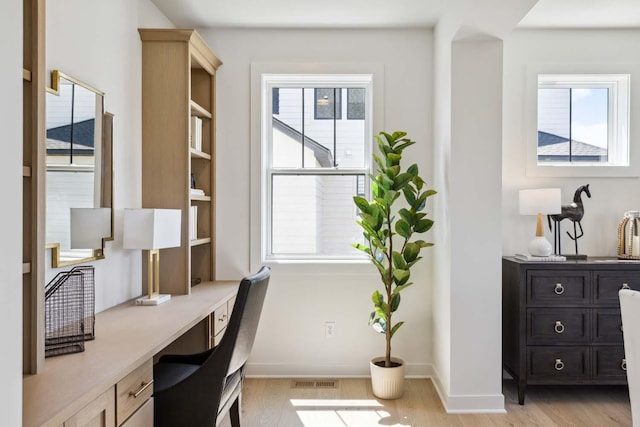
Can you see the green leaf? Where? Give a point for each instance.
(377, 299)
(399, 148)
(401, 288)
(398, 134)
(393, 158)
(362, 204)
(401, 180)
(395, 302)
(381, 314)
(362, 248)
(423, 244)
(392, 171)
(423, 225)
(420, 202)
(396, 327)
(375, 188)
(411, 251)
(413, 169)
(409, 196)
(398, 260)
(372, 317)
(400, 276)
(403, 228)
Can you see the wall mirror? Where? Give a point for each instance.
(79, 174)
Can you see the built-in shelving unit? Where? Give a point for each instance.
(178, 83)
(33, 93)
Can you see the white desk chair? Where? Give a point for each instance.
(630, 308)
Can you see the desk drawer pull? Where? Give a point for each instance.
(559, 328)
(143, 387)
(222, 318)
(559, 289)
(625, 286)
(559, 365)
(623, 365)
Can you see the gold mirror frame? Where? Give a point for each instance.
(106, 177)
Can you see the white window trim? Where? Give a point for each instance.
(259, 132)
(632, 166)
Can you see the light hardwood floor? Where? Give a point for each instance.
(274, 403)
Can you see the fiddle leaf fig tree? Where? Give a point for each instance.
(389, 227)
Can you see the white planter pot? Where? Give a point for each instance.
(387, 383)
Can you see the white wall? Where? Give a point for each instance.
(11, 216)
(97, 42)
(302, 297)
(611, 197)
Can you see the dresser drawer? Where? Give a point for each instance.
(549, 287)
(558, 326)
(607, 326)
(558, 362)
(133, 391)
(609, 363)
(608, 283)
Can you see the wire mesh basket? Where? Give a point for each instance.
(69, 311)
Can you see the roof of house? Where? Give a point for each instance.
(321, 153)
(554, 145)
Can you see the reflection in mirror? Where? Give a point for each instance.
(79, 195)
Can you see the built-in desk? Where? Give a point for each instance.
(127, 336)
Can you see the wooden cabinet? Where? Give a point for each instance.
(561, 321)
(133, 391)
(99, 413)
(178, 83)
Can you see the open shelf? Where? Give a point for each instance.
(201, 198)
(197, 110)
(196, 154)
(199, 242)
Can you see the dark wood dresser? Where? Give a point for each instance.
(561, 321)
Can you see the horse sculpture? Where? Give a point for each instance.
(574, 212)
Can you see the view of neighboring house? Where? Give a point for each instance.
(314, 213)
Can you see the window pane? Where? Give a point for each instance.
(589, 131)
(355, 104)
(554, 125)
(325, 105)
(315, 215)
(286, 130)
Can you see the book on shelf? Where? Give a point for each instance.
(196, 192)
(193, 222)
(549, 258)
(196, 133)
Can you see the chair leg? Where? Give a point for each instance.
(234, 412)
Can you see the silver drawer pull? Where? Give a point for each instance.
(559, 365)
(143, 387)
(559, 327)
(623, 365)
(625, 286)
(559, 289)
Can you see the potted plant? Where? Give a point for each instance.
(388, 227)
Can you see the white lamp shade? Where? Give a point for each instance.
(152, 228)
(543, 200)
(89, 226)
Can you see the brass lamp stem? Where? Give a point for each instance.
(153, 274)
(539, 232)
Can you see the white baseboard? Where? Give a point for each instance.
(468, 404)
(360, 370)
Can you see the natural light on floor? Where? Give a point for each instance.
(345, 413)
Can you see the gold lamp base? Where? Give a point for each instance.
(154, 296)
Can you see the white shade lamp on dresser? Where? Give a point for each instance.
(152, 230)
(542, 201)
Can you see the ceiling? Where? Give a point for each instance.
(385, 13)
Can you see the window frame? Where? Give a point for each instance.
(624, 107)
(328, 80)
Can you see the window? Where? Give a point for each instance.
(314, 163)
(583, 119)
(355, 104)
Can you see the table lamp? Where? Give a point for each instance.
(538, 202)
(152, 230)
(89, 226)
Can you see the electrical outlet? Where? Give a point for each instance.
(329, 329)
